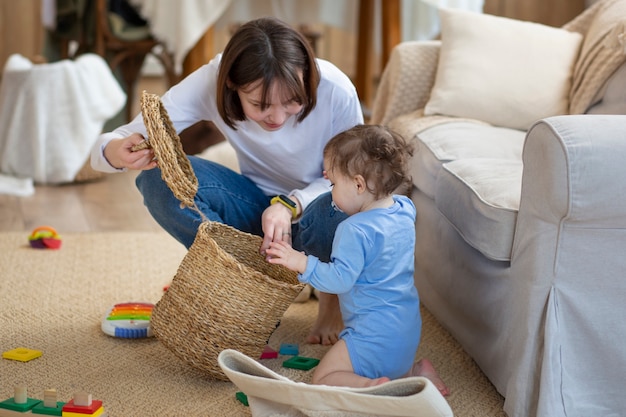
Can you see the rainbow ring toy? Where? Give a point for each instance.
(44, 237)
(128, 320)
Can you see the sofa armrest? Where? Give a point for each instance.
(406, 81)
(578, 163)
(567, 301)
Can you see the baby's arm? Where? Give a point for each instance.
(282, 253)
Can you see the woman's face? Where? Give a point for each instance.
(272, 115)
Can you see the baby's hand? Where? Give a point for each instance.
(281, 253)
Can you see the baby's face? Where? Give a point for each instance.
(344, 191)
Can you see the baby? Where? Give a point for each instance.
(371, 266)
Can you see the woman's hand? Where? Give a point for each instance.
(282, 253)
(276, 224)
(119, 153)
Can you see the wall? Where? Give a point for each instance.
(548, 12)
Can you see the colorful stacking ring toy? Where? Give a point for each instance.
(128, 320)
(44, 237)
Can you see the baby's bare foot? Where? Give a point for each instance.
(325, 333)
(329, 323)
(378, 381)
(426, 369)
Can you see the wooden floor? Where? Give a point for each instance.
(107, 204)
(112, 203)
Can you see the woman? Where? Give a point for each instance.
(278, 106)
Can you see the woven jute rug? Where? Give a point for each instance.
(54, 301)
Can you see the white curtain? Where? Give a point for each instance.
(338, 13)
(420, 18)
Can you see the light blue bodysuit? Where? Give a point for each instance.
(371, 271)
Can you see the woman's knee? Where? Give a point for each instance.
(152, 187)
(148, 179)
(316, 228)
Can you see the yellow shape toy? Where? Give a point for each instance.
(22, 354)
(96, 413)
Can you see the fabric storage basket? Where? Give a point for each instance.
(225, 295)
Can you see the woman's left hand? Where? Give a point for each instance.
(276, 223)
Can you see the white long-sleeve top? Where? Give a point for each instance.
(286, 161)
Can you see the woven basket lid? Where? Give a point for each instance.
(176, 170)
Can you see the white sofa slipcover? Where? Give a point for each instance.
(520, 240)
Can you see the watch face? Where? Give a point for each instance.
(287, 200)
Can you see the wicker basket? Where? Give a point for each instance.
(225, 295)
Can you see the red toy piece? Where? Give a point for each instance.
(269, 353)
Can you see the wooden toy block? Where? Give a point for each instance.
(57, 410)
(242, 398)
(269, 353)
(50, 406)
(97, 413)
(71, 407)
(82, 405)
(50, 398)
(18, 404)
(22, 354)
(20, 395)
(82, 399)
(289, 349)
(301, 362)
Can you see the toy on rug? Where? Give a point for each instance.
(301, 362)
(242, 398)
(128, 320)
(268, 353)
(289, 349)
(44, 237)
(18, 404)
(49, 406)
(22, 354)
(81, 405)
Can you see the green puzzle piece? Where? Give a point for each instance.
(301, 362)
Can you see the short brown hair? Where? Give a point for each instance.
(376, 152)
(269, 50)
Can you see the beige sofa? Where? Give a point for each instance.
(521, 233)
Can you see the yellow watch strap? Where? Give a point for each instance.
(287, 202)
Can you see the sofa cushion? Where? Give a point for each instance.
(459, 140)
(503, 71)
(611, 99)
(480, 198)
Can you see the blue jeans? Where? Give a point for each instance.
(228, 197)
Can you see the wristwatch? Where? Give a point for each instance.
(287, 202)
